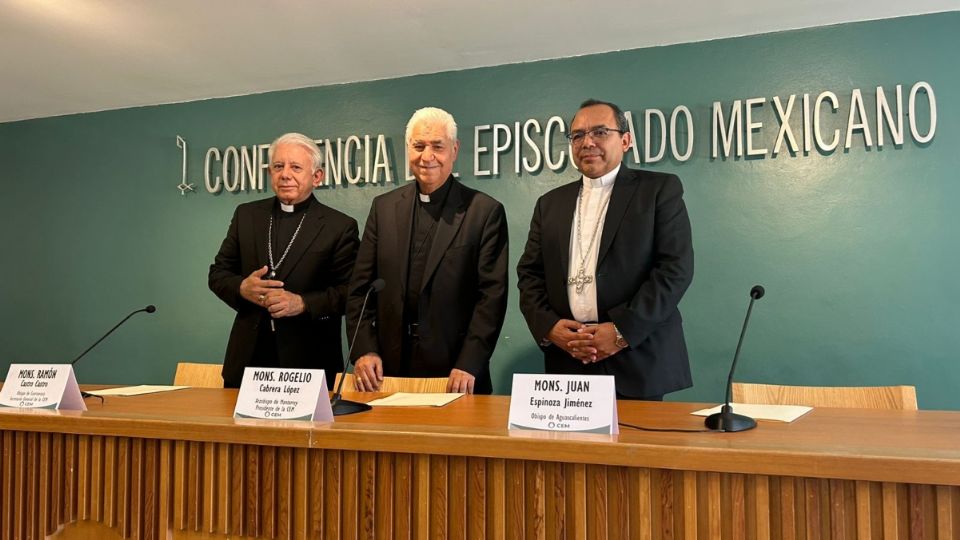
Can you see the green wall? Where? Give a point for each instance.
(857, 249)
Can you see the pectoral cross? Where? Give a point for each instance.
(580, 280)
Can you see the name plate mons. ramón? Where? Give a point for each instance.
(41, 386)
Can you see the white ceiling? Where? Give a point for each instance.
(68, 56)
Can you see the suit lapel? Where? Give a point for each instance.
(451, 217)
(312, 224)
(261, 220)
(566, 208)
(620, 200)
(404, 219)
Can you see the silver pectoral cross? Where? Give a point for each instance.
(580, 280)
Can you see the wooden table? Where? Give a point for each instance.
(177, 464)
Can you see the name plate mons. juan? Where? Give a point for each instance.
(41, 386)
(584, 403)
(284, 394)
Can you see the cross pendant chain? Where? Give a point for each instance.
(274, 267)
(580, 280)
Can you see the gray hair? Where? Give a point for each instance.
(301, 140)
(433, 115)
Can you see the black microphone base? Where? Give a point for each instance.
(85, 395)
(342, 406)
(729, 422)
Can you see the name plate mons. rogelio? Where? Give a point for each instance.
(583, 403)
(41, 386)
(283, 394)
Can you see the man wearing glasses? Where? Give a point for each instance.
(607, 260)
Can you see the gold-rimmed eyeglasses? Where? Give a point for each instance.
(597, 134)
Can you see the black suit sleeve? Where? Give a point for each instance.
(534, 303)
(672, 270)
(488, 313)
(331, 300)
(225, 273)
(364, 273)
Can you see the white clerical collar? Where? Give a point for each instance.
(603, 181)
(288, 208)
(424, 197)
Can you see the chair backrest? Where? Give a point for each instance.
(403, 384)
(198, 375)
(862, 397)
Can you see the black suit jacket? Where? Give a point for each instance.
(644, 266)
(317, 268)
(463, 295)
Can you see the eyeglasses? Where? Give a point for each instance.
(597, 134)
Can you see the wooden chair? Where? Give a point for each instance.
(198, 375)
(402, 384)
(862, 397)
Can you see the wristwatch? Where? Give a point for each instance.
(620, 342)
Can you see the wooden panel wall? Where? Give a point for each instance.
(143, 488)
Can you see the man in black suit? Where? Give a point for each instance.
(607, 260)
(284, 268)
(441, 248)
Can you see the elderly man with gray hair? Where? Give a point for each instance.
(284, 268)
(441, 248)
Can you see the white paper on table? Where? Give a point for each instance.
(135, 390)
(782, 413)
(406, 399)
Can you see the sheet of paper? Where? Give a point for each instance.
(135, 390)
(405, 399)
(782, 413)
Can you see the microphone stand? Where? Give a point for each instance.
(85, 395)
(726, 419)
(148, 309)
(339, 405)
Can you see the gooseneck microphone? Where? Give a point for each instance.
(149, 309)
(339, 405)
(726, 420)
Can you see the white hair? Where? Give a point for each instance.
(316, 156)
(433, 115)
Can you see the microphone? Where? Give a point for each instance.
(149, 309)
(726, 420)
(339, 405)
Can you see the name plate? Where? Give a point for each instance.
(284, 394)
(41, 386)
(583, 403)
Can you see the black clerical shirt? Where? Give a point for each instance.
(284, 225)
(426, 216)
